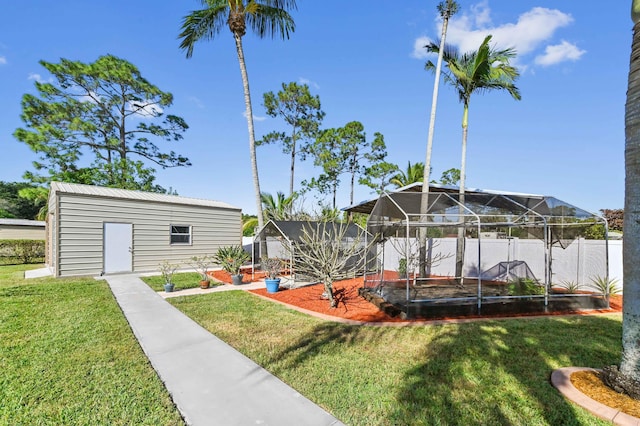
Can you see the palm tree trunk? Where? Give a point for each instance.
(252, 137)
(426, 177)
(252, 140)
(630, 363)
(463, 169)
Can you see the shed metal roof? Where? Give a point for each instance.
(100, 191)
(21, 222)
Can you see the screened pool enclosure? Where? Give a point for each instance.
(483, 252)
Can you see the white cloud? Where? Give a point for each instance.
(564, 51)
(530, 33)
(3, 60)
(308, 82)
(36, 77)
(255, 117)
(419, 51)
(145, 109)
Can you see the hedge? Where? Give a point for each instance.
(21, 251)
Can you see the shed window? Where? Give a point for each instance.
(180, 234)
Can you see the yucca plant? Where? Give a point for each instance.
(605, 286)
(231, 258)
(570, 287)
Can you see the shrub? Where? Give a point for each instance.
(524, 287)
(22, 251)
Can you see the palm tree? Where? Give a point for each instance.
(630, 361)
(446, 9)
(479, 71)
(412, 174)
(278, 207)
(265, 18)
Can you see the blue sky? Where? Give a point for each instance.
(365, 60)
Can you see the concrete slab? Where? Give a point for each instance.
(210, 382)
(38, 273)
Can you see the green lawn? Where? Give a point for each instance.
(181, 281)
(68, 356)
(493, 372)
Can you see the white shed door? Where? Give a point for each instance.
(118, 240)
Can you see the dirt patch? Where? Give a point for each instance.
(589, 383)
(352, 306)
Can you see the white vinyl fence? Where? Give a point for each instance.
(579, 262)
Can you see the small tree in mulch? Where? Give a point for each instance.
(324, 253)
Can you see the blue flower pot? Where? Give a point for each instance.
(168, 288)
(273, 285)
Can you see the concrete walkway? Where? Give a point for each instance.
(210, 382)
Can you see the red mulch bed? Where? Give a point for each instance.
(352, 306)
(225, 277)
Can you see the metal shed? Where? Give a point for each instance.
(96, 230)
(22, 229)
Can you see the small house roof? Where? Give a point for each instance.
(21, 222)
(100, 191)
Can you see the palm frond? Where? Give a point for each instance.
(203, 24)
(271, 18)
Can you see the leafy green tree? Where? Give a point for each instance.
(378, 176)
(265, 18)
(104, 110)
(450, 177)
(344, 150)
(17, 206)
(301, 111)
(412, 174)
(478, 71)
(359, 153)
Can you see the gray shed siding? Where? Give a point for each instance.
(81, 221)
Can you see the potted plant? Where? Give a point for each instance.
(272, 266)
(201, 264)
(167, 270)
(231, 258)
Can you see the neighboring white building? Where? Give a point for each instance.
(22, 229)
(94, 230)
